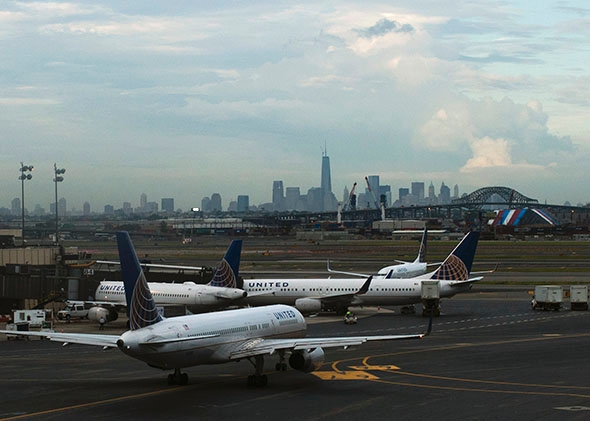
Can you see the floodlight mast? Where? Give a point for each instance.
(22, 178)
(57, 179)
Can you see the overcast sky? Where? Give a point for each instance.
(184, 99)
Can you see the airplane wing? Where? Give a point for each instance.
(109, 341)
(346, 297)
(467, 282)
(481, 272)
(360, 275)
(255, 347)
(151, 265)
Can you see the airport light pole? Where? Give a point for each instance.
(194, 211)
(57, 179)
(22, 178)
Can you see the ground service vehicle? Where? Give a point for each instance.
(547, 297)
(579, 297)
(73, 311)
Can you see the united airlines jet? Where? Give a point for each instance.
(210, 338)
(219, 293)
(402, 269)
(313, 295)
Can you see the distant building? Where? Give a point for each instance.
(206, 204)
(418, 190)
(403, 192)
(62, 208)
(216, 203)
(444, 198)
(127, 209)
(15, 207)
(243, 203)
(328, 201)
(151, 207)
(142, 201)
(86, 209)
(109, 209)
(278, 197)
(293, 199)
(168, 205)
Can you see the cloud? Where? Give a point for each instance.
(498, 134)
(384, 27)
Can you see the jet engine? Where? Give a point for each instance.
(308, 305)
(109, 314)
(307, 361)
(230, 293)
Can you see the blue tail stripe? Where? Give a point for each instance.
(457, 266)
(226, 274)
(141, 307)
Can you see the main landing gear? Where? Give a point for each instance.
(281, 365)
(258, 379)
(178, 378)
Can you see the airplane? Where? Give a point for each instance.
(220, 292)
(210, 338)
(313, 295)
(401, 270)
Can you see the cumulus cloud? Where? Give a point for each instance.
(498, 133)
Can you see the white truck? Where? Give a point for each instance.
(579, 297)
(73, 311)
(547, 297)
(430, 294)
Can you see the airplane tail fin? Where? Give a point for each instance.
(422, 252)
(457, 266)
(141, 307)
(226, 274)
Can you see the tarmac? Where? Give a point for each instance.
(489, 356)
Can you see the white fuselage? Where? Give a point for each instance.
(196, 297)
(381, 292)
(209, 338)
(404, 270)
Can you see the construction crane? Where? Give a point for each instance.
(351, 201)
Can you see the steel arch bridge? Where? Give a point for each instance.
(485, 196)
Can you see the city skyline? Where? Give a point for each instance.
(417, 193)
(186, 99)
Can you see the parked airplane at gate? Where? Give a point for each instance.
(210, 338)
(219, 293)
(314, 295)
(403, 269)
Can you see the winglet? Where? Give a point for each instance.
(457, 266)
(141, 307)
(365, 287)
(226, 274)
(422, 252)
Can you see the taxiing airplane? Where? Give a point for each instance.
(317, 294)
(220, 292)
(402, 269)
(210, 338)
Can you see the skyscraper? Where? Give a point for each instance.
(418, 190)
(329, 200)
(278, 197)
(167, 204)
(243, 203)
(216, 202)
